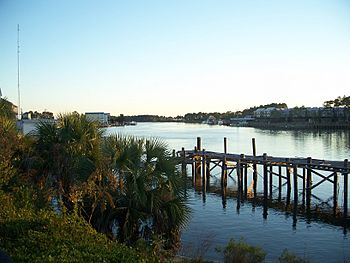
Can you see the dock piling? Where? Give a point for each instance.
(335, 194)
(255, 173)
(345, 174)
(201, 160)
(204, 170)
(265, 175)
(308, 183)
(295, 184)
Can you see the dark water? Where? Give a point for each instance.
(214, 224)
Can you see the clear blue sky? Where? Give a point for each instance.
(172, 57)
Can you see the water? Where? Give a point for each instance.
(213, 224)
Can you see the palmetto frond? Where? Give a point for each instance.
(152, 185)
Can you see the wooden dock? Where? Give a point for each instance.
(296, 174)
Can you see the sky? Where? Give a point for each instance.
(173, 57)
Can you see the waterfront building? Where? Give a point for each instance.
(101, 117)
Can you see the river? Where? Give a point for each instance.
(213, 223)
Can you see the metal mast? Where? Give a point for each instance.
(19, 94)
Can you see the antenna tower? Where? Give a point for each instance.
(19, 94)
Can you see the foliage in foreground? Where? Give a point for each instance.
(239, 251)
(96, 183)
(43, 236)
(288, 257)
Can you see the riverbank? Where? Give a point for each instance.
(300, 125)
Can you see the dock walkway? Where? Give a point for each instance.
(296, 173)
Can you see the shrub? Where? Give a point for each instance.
(240, 251)
(29, 236)
(288, 257)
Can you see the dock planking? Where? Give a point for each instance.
(300, 172)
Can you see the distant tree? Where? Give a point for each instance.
(6, 109)
(338, 102)
(120, 119)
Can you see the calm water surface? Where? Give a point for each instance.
(213, 224)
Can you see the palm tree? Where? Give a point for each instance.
(10, 142)
(149, 198)
(118, 182)
(66, 154)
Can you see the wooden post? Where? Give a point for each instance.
(199, 144)
(225, 145)
(308, 184)
(242, 171)
(289, 187)
(279, 183)
(245, 180)
(239, 176)
(345, 174)
(174, 153)
(255, 174)
(198, 160)
(304, 184)
(204, 168)
(254, 147)
(207, 171)
(224, 166)
(271, 180)
(183, 165)
(335, 194)
(295, 184)
(194, 163)
(265, 207)
(224, 173)
(265, 175)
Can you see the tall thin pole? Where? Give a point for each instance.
(19, 94)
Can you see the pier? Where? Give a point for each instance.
(296, 178)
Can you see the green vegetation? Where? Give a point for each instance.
(61, 187)
(334, 113)
(43, 236)
(240, 251)
(7, 109)
(338, 102)
(288, 257)
(70, 195)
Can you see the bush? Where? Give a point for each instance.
(240, 251)
(28, 236)
(288, 257)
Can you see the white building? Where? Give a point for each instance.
(100, 117)
(28, 126)
(264, 112)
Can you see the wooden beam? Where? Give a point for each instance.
(335, 194)
(345, 175)
(271, 180)
(308, 184)
(204, 171)
(223, 173)
(324, 179)
(255, 173)
(289, 186)
(265, 175)
(279, 183)
(225, 145)
(295, 183)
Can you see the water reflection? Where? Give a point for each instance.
(306, 227)
(309, 212)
